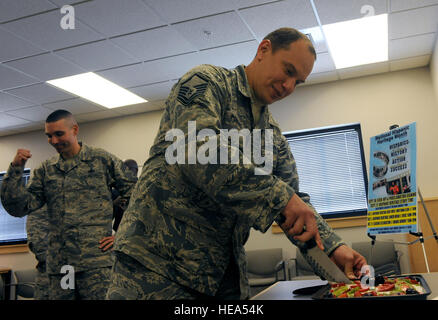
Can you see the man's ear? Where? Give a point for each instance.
(264, 47)
(75, 129)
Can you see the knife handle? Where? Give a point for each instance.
(308, 244)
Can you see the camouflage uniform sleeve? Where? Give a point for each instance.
(288, 171)
(123, 178)
(19, 200)
(37, 227)
(256, 199)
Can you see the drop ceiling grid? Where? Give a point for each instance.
(102, 45)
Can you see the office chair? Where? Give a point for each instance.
(264, 268)
(385, 258)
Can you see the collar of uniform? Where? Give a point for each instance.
(83, 154)
(242, 81)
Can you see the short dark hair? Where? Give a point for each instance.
(58, 115)
(283, 37)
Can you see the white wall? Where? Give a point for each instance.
(375, 101)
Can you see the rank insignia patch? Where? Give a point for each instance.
(192, 88)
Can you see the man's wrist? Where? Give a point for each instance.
(334, 249)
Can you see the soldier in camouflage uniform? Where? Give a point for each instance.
(37, 227)
(76, 186)
(183, 234)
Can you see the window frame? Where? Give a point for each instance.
(26, 172)
(337, 128)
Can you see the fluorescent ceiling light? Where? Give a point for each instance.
(357, 42)
(97, 89)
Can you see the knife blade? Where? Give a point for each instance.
(319, 260)
(322, 264)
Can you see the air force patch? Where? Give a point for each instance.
(192, 88)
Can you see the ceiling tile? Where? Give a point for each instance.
(61, 3)
(75, 106)
(412, 46)
(409, 63)
(317, 38)
(36, 113)
(331, 11)
(11, 79)
(133, 75)
(16, 48)
(215, 31)
(152, 71)
(269, 17)
(45, 31)
(364, 70)
(30, 126)
(413, 22)
(9, 102)
(321, 77)
(115, 17)
(174, 67)
(398, 5)
(14, 9)
(97, 56)
(154, 92)
(46, 67)
(149, 45)
(230, 56)
(323, 63)
(7, 121)
(176, 10)
(181, 10)
(41, 93)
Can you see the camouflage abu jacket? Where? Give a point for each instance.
(79, 206)
(186, 220)
(37, 227)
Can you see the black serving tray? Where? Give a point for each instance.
(319, 295)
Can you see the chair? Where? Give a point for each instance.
(385, 258)
(299, 269)
(2, 289)
(24, 284)
(265, 267)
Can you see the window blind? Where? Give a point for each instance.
(12, 229)
(331, 168)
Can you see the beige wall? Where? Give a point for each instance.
(375, 101)
(434, 68)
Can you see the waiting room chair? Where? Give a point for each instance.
(24, 284)
(385, 258)
(299, 269)
(264, 268)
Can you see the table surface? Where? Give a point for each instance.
(282, 290)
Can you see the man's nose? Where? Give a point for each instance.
(289, 85)
(54, 140)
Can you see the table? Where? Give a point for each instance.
(282, 290)
(6, 275)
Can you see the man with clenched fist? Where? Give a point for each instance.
(76, 186)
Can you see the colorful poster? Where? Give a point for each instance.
(392, 188)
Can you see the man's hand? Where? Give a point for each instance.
(21, 157)
(300, 221)
(349, 261)
(106, 243)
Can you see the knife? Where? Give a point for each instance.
(319, 260)
(322, 264)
